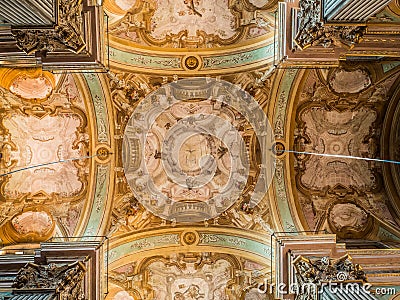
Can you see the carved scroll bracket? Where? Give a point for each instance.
(66, 34)
(312, 31)
(65, 280)
(311, 274)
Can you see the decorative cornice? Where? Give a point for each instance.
(66, 34)
(313, 273)
(246, 243)
(311, 30)
(205, 62)
(65, 280)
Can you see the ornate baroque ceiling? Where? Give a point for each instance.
(184, 37)
(347, 109)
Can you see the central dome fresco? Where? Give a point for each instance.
(189, 154)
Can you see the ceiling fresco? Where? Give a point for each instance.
(129, 214)
(40, 141)
(27, 87)
(340, 112)
(218, 20)
(194, 36)
(189, 276)
(36, 131)
(207, 179)
(190, 152)
(190, 24)
(44, 119)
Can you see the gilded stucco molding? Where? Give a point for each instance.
(279, 110)
(24, 227)
(191, 63)
(101, 193)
